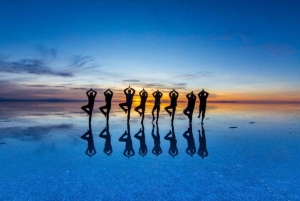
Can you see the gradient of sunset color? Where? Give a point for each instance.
(236, 50)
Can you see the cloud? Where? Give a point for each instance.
(275, 49)
(47, 53)
(79, 61)
(30, 66)
(131, 81)
(188, 76)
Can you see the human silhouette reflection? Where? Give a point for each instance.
(173, 96)
(202, 151)
(173, 151)
(88, 136)
(126, 137)
(107, 146)
(143, 147)
(203, 95)
(144, 95)
(156, 149)
(157, 96)
(188, 135)
(91, 94)
(191, 105)
(129, 98)
(108, 96)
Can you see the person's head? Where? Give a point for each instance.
(173, 95)
(129, 91)
(91, 93)
(144, 93)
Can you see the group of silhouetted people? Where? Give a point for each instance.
(129, 94)
(143, 150)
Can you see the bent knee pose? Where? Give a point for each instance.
(143, 147)
(157, 96)
(188, 135)
(144, 95)
(173, 96)
(88, 136)
(191, 105)
(156, 149)
(107, 147)
(91, 94)
(129, 97)
(202, 151)
(173, 150)
(108, 96)
(202, 107)
(126, 137)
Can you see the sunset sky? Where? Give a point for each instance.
(236, 50)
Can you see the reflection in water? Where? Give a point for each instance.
(126, 137)
(173, 151)
(88, 136)
(156, 149)
(143, 147)
(202, 151)
(107, 147)
(188, 135)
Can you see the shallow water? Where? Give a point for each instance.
(253, 154)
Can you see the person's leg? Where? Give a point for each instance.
(167, 109)
(143, 114)
(128, 113)
(107, 114)
(84, 108)
(185, 111)
(199, 112)
(122, 106)
(102, 110)
(157, 115)
(137, 109)
(191, 114)
(203, 114)
(173, 114)
(154, 108)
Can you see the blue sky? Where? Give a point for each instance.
(234, 49)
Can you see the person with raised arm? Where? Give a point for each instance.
(88, 136)
(203, 95)
(188, 135)
(202, 151)
(91, 94)
(156, 149)
(144, 95)
(126, 137)
(173, 96)
(129, 98)
(191, 105)
(173, 150)
(157, 96)
(107, 147)
(143, 147)
(108, 96)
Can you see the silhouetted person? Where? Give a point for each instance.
(91, 94)
(143, 147)
(173, 96)
(129, 98)
(188, 135)
(107, 147)
(191, 105)
(156, 149)
(88, 136)
(108, 96)
(144, 95)
(126, 137)
(202, 107)
(202, 151)
(173, 151)
(157, 96)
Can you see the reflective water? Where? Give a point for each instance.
(48, 151)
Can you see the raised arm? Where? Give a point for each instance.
(176, 93)
(170, 94)
(87, 92)
(133, 91)
(160, 94)
(125, 90)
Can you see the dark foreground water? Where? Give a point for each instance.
(253, 153)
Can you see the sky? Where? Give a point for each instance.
(236, 50)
